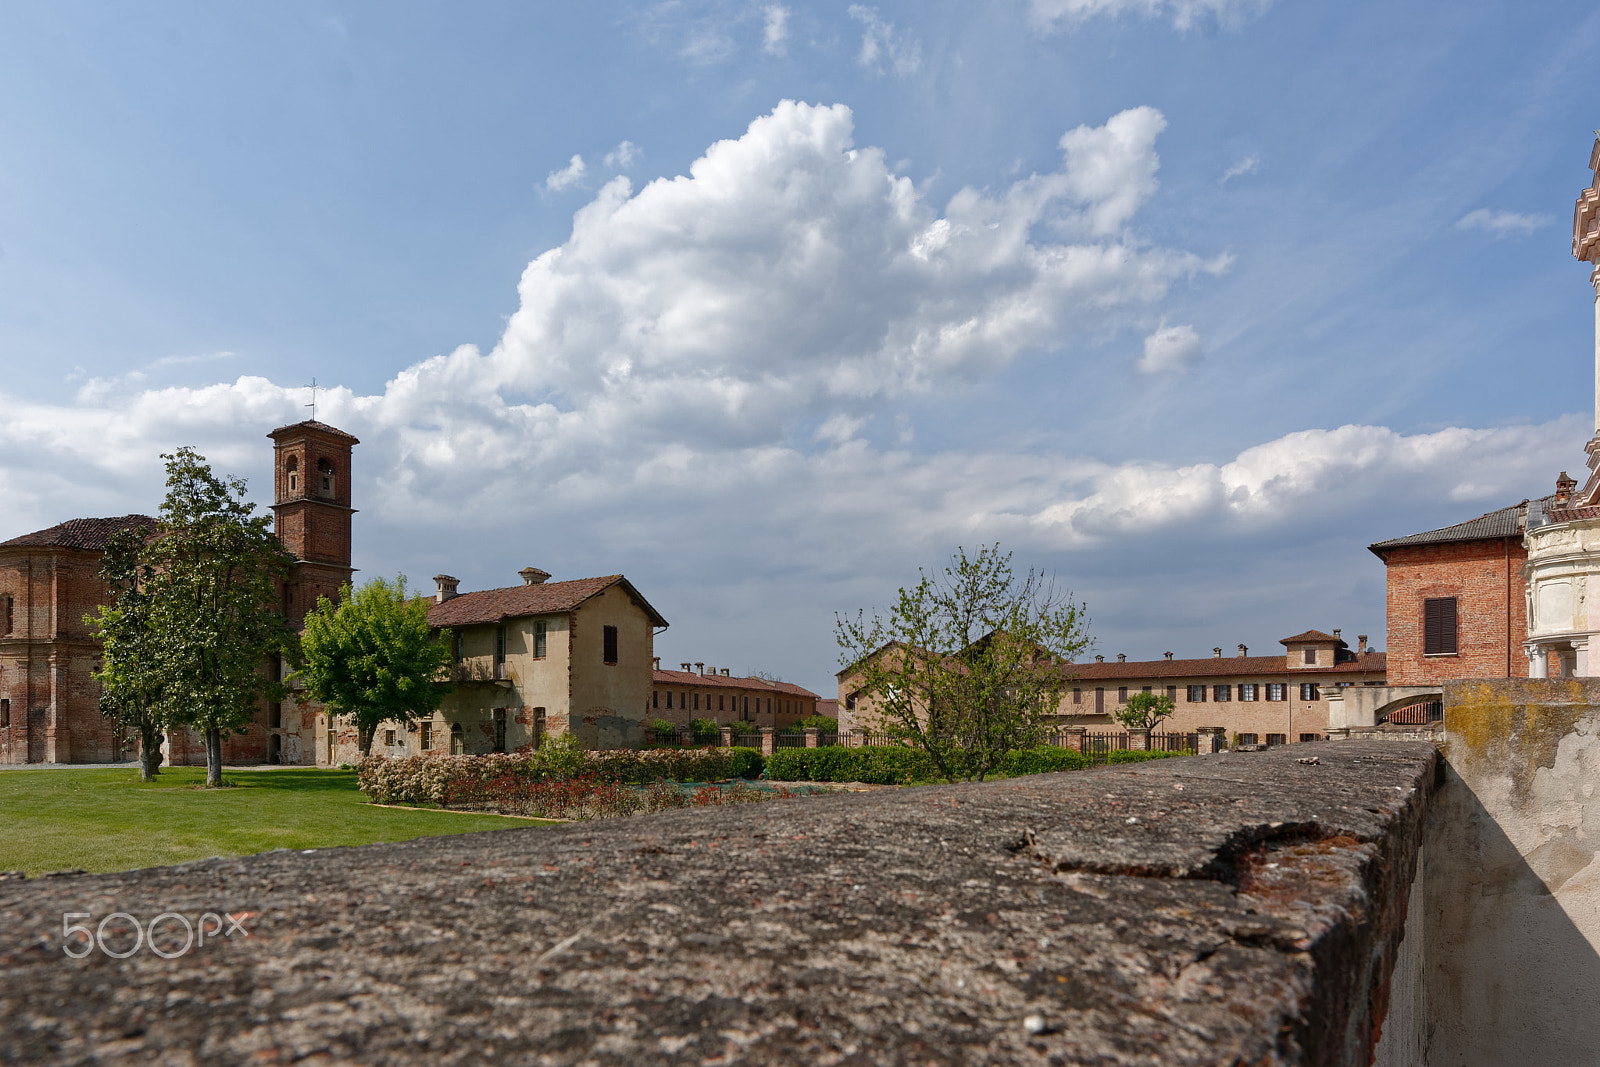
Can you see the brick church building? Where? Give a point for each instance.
(49, 580)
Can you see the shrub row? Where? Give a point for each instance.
(429, 779)
(899, 765)
(591, 798)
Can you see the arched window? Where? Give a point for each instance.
(325, 477)
(291, 471)
(458, 744)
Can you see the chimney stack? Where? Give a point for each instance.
(533, 576)
(701, 667)
(1564, 488)
(1099, 659)
(1336, 635)
(655, 663)
(1168, 656)
(1362, 647)
(1243, 651)
(1216, 653)
(724, 672)
(1122, 657)
(684, 667)
(445, 586)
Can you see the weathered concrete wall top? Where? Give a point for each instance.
(1216, 909)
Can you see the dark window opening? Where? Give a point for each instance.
(720, 699)
(1277, 739)
(5, 711)
(6, 621)
(655, 698)
(1197, 694)
(1077, 697)
(540, 642)
(499, 729)
(275, 716)
(538, 727)
(1311, 737)
(1277, 691)
(1439, 626)
(458, 740)
(1172, 693)
(1310, 656)
(426, 736)
(1222, 693)
(611, 644)
(1248, 739)
(1310, 691)
(275, 749)
(292, 468)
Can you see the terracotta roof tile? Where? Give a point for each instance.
(1214, 667)
(90, 534)
(520, 601)
(1311, 636)
(321, 427)
(718, 681)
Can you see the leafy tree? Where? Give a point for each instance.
(969, 663)
(212, 574)
(1144, 710)
(816, 722)
(132, 691)
(372, 657)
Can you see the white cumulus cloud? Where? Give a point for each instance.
(567, 176)
(1171, 350)
(622, 157)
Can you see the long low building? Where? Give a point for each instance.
(696, 691)
(1256, 699)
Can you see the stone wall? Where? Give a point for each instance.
(1514, 925)
(1238, 908)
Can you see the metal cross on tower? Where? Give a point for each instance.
(313, 404)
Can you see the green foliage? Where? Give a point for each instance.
(372, 657)
(1140, 757)
(1044, 759)
(1144, 710)
(210, 576)
(705, 731)
(559, 757)
(969, 663)
(662, 728)
(745, 762)
(132, 694)
(817, 722)
(876, 765)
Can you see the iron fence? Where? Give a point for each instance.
(1419, 714)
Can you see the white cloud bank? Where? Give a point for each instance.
(690, 382)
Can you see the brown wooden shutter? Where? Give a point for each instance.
(1439, 626)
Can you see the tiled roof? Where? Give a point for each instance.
(1506, 522)
(321, 427)
(1309, 637)
(1569, 514)
(1216, 667)
(520, 601)
(718, 681)
(91, 534)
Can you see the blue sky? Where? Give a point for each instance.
(1185, 300)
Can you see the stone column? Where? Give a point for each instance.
(1139, 740)
(1580, 658)
(1213, 739)
(1594, 280)
(1538, 665)
(766, 741)
(727, 736)
(811, 737)
(1073, 736)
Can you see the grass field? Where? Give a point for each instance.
(107, 820)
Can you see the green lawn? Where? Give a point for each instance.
(107, 820)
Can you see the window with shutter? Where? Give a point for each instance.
(1439, 626)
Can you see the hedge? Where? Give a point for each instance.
(901, 765)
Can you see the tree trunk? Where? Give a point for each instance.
(364, 739)
(213, 758)
(150, 741)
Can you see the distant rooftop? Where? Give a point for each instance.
(90, 534)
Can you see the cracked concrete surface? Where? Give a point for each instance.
(1216, 909)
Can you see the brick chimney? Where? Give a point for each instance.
(655, 663)
(1362, 647)
(1216, 653)
(1122, 657)
(534, 576)
(1336, 635)
(1167, 656)
(1243, 651)
(724, 672)
(445, 586)
(701, 667)
(1564, 487)
(684, 667)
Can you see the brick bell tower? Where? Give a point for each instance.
(311, 494)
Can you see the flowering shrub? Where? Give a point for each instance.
(446, 779)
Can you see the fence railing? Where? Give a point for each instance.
(1419, 714)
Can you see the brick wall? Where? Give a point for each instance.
(1485, 577)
